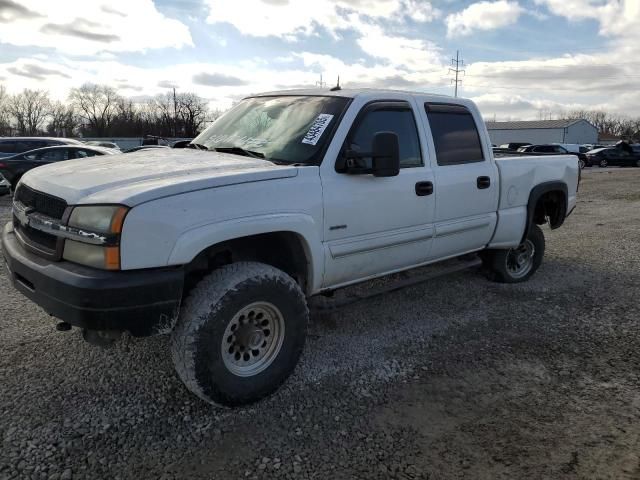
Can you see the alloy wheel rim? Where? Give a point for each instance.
(253, 338)
(520, 260)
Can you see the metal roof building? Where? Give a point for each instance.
(543, 131)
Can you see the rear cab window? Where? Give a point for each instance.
(455, 134)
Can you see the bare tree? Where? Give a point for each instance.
(5, 117)
(29, 110)
(64, 121)
(192, 111)
(97, 105)
(621, 126)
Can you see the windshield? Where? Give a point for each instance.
(289, 129)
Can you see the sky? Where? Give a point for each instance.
(524, 59)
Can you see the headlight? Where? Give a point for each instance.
(96, 238)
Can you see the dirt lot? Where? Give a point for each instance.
(455, 378)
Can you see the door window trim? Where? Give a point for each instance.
(373, 106)
(456, 109)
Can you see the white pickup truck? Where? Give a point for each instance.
(288, 195)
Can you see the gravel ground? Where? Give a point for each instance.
(454, 378)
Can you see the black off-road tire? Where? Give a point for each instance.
(496, 262)
(212, 306)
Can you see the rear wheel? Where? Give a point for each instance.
(603, 163)
(638, 163)
(517, 264)
(581, 163)
(240, 333)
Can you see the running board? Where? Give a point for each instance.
(323, 304)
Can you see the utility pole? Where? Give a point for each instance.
(321, 84)
(175, 114)
(456, 63)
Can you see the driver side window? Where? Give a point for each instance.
(398, 120)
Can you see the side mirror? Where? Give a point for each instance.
(385, 155)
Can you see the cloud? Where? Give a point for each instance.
(125, 26)
(412, 54)
(485, 15)
(108, 9)
(11, 11)
(217, 80)
(167, 84)
(292, 18)
(36, 72)
(617, 18)
(80, 28)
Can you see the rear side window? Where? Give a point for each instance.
(54, 155)
(85, 153)
(26, 145)
(8, 147)
(455, 134)
(545, 149)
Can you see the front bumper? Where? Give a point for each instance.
(142, 302)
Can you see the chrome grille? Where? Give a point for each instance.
(41, 202)
(36, 238)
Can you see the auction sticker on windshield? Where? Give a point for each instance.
(317, 128)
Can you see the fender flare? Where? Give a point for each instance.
(194, 241)
(536, 193)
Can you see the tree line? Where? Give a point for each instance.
(621, 126)
(99, 111)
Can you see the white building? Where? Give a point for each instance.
(543, 131)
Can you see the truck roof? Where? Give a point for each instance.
(354, 92)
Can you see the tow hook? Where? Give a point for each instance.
(101, 338)
(63, 327)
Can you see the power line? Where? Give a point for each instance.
(457, 62)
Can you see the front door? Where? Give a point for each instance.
(375, 225)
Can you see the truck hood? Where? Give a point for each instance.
(134, 178)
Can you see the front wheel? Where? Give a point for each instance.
(581, 163)
(516, 264)
(240, 333)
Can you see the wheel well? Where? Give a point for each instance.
(551, 207)
(283, 250)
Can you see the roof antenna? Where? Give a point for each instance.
(337, 87)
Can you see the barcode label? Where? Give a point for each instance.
(317, 128)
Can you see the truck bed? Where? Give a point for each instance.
(517, 174)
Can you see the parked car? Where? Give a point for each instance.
(613, 156)
(590, 147)
(5, 186)
(10, 146)
(14, 167)
(513, 146)
(100, 143)
(222, 245)
(554, 149)
(144, 147)
(546, 148)
(181, 143)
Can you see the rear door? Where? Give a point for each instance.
(466, 181)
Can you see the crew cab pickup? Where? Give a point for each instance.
(288, 195)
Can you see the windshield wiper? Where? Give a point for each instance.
(239, 151)
(197, 146)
